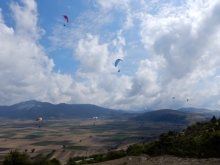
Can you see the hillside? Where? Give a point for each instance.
(168, 115)
(201, 111)
(32, 109)
(202, 140)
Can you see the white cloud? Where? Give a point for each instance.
(26, 72)
(93, 57)
(181, 46)
(184, 38)
(87, 22)
(113, 4)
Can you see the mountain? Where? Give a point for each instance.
(168, 115)
(201, 111)
(32, 109)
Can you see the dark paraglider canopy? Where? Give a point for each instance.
(66, 19)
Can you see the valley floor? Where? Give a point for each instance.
(162, 160)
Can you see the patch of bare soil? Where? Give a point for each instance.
(162, 160)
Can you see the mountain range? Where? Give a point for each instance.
(33, 109)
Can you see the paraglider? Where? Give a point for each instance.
(39, 119)
(189, 100)
(116, 63)
(95, 118)
(140, 86)
(173, 99)
(66, 19)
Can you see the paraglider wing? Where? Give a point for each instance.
(66, 18)
(39, 119)
(140, 86)
(117, 61)
(189, 100)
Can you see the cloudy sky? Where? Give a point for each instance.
(169, 48)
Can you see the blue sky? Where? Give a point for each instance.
(170, 48)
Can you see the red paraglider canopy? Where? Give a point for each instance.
(66, 18)
(39, 119)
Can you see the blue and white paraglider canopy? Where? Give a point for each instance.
(117, 62)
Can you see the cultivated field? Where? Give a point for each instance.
(77, 137)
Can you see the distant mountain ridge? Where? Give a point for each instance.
(32, 109)
(201, 111)
(169, 115)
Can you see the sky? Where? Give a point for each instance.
(168, 48)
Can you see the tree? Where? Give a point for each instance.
(135, 150)
(71, 161)
(15, 157)
(213, 120)
(40, 159)
(115, 154)
(55, 161)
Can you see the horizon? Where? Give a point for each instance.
(139, 110)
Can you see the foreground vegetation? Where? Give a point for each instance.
(17, 158)
(200, 140)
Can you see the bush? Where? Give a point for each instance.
(32, 150)
(55, 161)
(41, 160)
(213, 120)
(16, 158)
(115, 154)
(71, 161)
(135, 150)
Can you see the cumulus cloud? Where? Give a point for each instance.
(26, 71)
(185, 37)
(179, 45)
(93, 57)
(88, 22)
(113, 4)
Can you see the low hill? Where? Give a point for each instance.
(201, 111)
(201, 139)
(32, 109)
(168, 115)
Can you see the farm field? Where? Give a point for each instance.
(77, 137)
